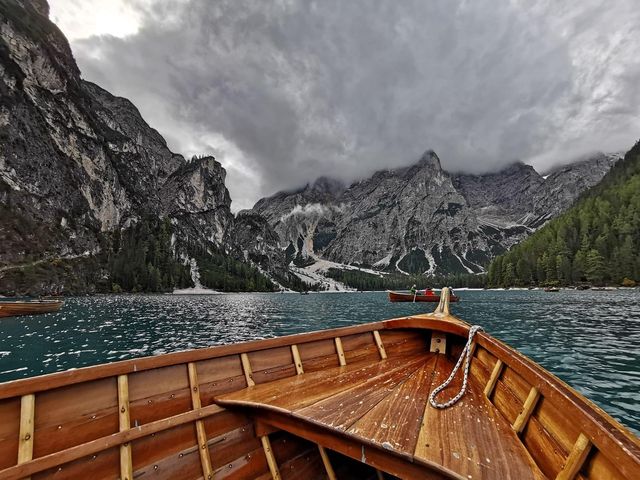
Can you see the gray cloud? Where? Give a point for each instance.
(285, 91)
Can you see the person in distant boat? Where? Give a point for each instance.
(413, 289)
(428, 291)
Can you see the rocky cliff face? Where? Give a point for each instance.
(77, 163)
(520, 195)
(421, 219)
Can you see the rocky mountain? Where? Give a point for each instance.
(79, 167)
(596, 241)
(422, 219)
(520, 195)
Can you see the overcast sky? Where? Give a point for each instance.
(284, 91)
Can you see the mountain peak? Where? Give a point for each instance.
(40, 6)
(327, 185)
(430, 158)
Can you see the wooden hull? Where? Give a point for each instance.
(340, 403)
(409, 297)
(36, 307)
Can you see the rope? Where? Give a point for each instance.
(464, 355)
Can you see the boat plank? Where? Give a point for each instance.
(156, 382)
(311, 387)
(104, 465)
(164, 405)
(317, 349)
(360, 347)
(73, 415)
(9, 431)
(557, 424)
(208, 391)
(364, 354)
(518, 386)
(150, 450)
(487, 359)
(343, 409)
(305, 466)
(250, 465)
(471, 438)
(182, 464)
(479, 372)
(598, 466)
(272, 374)
(217, 369)
(271, 358)
(287, 447)
(224, 421)
(233, 444)
(397, 419)
(543, 448)
(506, 402)
(404, 341)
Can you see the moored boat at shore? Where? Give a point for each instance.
(29, 307)
(350, 402)
(431, 296)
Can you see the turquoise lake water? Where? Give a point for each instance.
(591, 340)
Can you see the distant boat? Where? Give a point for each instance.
(304, 293)
(420, 297)
(29, 307)
(551, 289)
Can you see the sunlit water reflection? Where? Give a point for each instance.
(591, 340)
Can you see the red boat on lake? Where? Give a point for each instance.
(420, 296)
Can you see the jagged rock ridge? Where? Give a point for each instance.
(422, 219)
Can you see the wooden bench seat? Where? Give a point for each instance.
(385, 404)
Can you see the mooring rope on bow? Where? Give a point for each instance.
(466, 353)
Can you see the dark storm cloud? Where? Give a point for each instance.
(286, 91)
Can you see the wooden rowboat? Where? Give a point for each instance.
(31, 307)
(342, 403)
(410, 297)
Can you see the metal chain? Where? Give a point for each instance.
(466, 353)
